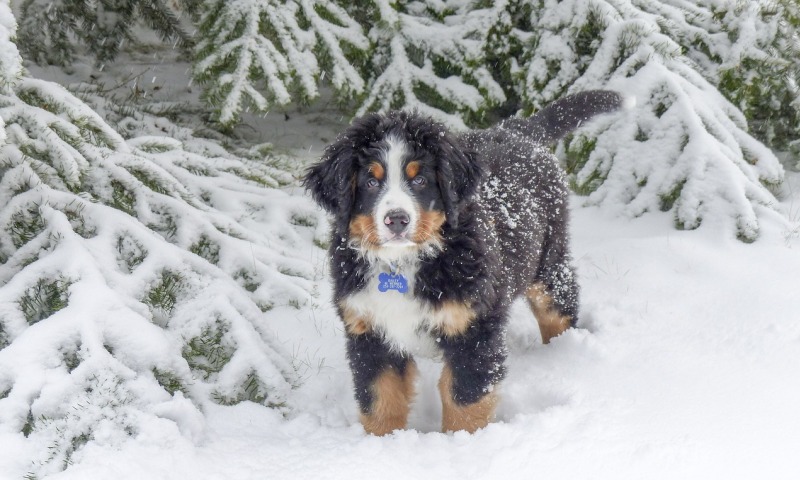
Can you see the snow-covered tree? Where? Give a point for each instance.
(726, 71)
(749, 50)
(761, 73)
(684, 148)
(53, 32)
(10, 61)
(429, 57)
(257, 54)
(506, 35)
(134, 275)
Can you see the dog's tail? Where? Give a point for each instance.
(556, 120)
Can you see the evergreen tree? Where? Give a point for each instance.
(750, 50)
(684, 148)
(52, 32)
(263, 53)
(135, 274)
(429, 57)
(761, 74)
(505, 27)
(458, 61)
(10, 61)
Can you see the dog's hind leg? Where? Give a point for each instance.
(553, 296)
(552, 322)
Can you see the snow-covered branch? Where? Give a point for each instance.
(260, 54)
(427, 65)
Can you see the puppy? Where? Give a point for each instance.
(434, 234)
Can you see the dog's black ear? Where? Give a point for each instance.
(331, 181)
(459, 174)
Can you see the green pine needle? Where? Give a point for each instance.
(44, 299)
(169, 381)
(163, 297)
(247, 280)
(131, 253)
(208, 352)
(122, 198)
(25, 225)
(149, 181)
(4, 340)
(71, 358)
(251, 389)
(667, 200)
(74, 213)
(206, 249)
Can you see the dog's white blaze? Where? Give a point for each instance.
(404, 321)
(396, 194)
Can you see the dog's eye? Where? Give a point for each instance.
(418, 181)
(373, 183)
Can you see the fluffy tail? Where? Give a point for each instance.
(554, 121)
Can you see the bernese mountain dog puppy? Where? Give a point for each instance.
(434, 234)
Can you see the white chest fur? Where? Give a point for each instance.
(403, 320)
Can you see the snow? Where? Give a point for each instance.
(684, 366)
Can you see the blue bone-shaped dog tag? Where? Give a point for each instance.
(392, 281)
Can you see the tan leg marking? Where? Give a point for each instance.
(393, 394)
(551, 323)
(363, 227)
(355, 323)
(453, 318)
(429, 226)
(464, 417)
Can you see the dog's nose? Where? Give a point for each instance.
(396, 220)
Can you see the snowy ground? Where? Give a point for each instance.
(685, 366)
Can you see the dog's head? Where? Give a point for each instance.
(393, 181)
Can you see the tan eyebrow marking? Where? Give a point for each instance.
(376, 169)
(412, 169)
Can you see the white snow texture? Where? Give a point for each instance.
(165, 308)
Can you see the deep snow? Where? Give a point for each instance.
(685, 366)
